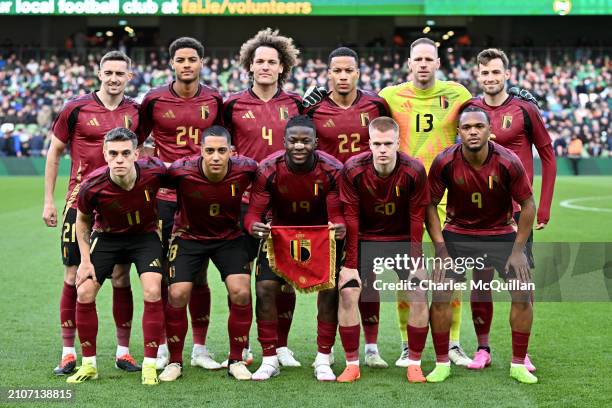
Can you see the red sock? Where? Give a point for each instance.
(482, 307)
(326, 336)
(176, 330)
(417, 336)
(440, 341)
(68, 302)
(199, 310)
(349, 336)
(123, 311)
(285, 305)
(87, 325)
(152, 323)
(370, 316)
(238, 326)
(520, 342)
(267, 335)
(164, 298)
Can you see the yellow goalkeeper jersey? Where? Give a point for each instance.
(427, 118)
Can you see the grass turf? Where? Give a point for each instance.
(568, 342)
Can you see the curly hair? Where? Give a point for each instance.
(287, 52)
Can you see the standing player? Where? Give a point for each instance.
(426, 111)
(175, 114)
(341, 120)
(483, 179)
(300, 187)
(121, 200)
(81, 125)
(256, 119)
(518, 126)
(385, 194)
(209, 189)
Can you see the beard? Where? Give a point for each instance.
(495, 91)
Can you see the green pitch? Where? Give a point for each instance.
(570, 341)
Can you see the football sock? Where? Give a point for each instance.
(68, 301)
(152, 323)
(455, 330)
(91, 360)
(349, 336)
(238, 326)
(123, 311)
(417, 336)
(326, 336)
(371, 348)
(403, 309)
(267, 335)
(176, 330)
(482, 307)
(87, 325)
(68, 350)
(122, 351)
(370, 316)
(199, 310)
(440, 341)
(285, 305)
(520, 342)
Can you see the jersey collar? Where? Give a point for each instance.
(254, 95)
(95, 97)
(171, 88)
(117, 186)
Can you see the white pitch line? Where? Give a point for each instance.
(570, 204)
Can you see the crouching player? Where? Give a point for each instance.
(120, 198)
(385, 194)
(209, 192)
(482, 179)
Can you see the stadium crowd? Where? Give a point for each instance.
(573, 90)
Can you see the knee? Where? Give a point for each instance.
(152, 292)
(121, 276)
(240, 296)
(70, 274)
(178, 297)
(349, 298)
(86, 293)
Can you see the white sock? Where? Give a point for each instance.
(162, 350)
(198, 349)
(323, 358)
(371, 348)
(452, 344)
(511, 364)
(148, 361)
(414, 362)
(270, 360)
(356, 362)
(121, 351)
(443, 364)
(404, 345)
(68, 350)
(90, 361)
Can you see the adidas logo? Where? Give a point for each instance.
(151, 344)
(372, 319)
(248, 115)
(287, 315)
(93, 122)
(156, 263)
(169, 115)
(202, 319)
(173, 339)
(68, 323)
(127, 324)
(241, 339)
(86, 344)
(329, 123)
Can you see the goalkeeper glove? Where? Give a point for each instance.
(313, 95)
(523, 94)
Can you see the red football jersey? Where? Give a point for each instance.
(209, 210)
(82, 123)
(343, 133)
(518, 126)
(119, 211)
(306, 198)
(382, 209)
(177, 123)
(258, 127)
(479, 201)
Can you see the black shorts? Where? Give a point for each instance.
(529, 245)
(492, 250)
(187, 256)
(252, 243)
(166, 209)
(263, 271)
(71, 256)
(143, 250)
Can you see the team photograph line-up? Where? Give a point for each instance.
(184, 180)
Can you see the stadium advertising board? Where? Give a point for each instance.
(298, 7)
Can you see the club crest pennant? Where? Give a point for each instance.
(305, 256)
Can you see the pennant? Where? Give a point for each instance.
(305, 256)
